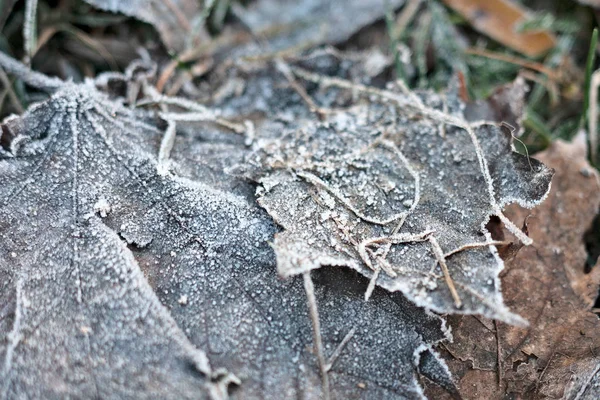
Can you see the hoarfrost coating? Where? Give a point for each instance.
(98, 250)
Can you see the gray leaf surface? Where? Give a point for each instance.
(80, 319)
(289, 23)
(114, 276)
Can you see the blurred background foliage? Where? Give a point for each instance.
(431, 43)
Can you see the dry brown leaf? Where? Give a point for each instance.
(499, 19)
(546, 284)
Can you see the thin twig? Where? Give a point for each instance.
(470, 246)
(200, 113)
(3, 95)
(204, 117)
(315, 180)
(32, 78)
(588, 380)
(166, 145)
(498, 354)
(30, 29)
(181, 17)
(45, 36)
(316, 324)
(439, 255)
(372, 283)
(287, 73)
(526, 240)
(417, 196)
(93, 44)
(512, 131)
(363, 250)
(539, 379)
(404, 18)
(10, 92)
(339, 349)
(514, 60)
(385, 266)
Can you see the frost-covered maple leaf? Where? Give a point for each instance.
(398, 186)
(85, 321)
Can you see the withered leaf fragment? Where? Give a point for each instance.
(173, 19)
(505, 105)
(398, 187)
(290, 23)
(499, 20)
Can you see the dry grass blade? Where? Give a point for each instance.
(30, 29)
(8, 89)
(318, 341)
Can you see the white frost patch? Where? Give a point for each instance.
(102, 207)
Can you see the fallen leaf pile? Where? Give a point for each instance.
(113, 268)
(150, 245)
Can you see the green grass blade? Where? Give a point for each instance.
(589, 68)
